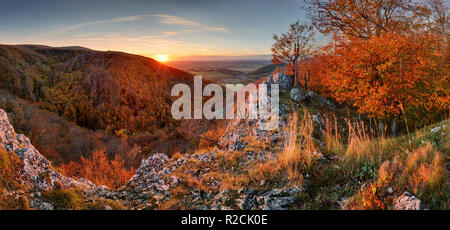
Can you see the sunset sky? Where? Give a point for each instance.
(177, 28)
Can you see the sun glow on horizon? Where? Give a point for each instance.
(161, 57)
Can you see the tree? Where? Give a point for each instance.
(440, 16)
(440, 23)
(385, 60)
(388, 75)
(363, 18)
(293, 45)
(308, 70)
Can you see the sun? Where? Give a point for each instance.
(162, 57)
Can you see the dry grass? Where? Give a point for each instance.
(177, 196)
(263, 174)
(299, 146)
(425, 171)
(422, 173)
(332, 136)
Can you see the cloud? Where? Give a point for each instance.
(114, 20)
(169, 19)
(164, 18)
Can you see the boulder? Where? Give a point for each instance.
(407, 202)
(283, 80)
(298, 95)
(278, 203)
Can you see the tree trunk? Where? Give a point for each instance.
(381, 128)
(295, 72)
(394, 126)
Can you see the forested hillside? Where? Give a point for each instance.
(97, 90)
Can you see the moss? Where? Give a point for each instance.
(63, 199)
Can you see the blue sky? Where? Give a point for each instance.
(174, 27)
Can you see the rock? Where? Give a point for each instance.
(298, 95)
(40, 205)
(278, 203)
(46, 206)
(407, 202)
(283, 80)
(246, 203)
(317, 118)
(238, 145)
(389, 190)
(150, 175)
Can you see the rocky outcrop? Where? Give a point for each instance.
(155, 172)
(407, 202)
(37, 168)
(282, 79)
(245, 199)
(151, 174)
(298, 95)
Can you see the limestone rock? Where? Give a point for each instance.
(298, 95)
(407, 202)
(282, 79)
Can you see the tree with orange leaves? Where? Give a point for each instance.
(387, 75)
(385, 60)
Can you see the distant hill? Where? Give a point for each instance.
(97, 90)
(265, 70)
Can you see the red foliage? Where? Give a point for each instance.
(100, 170)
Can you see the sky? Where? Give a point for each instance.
(178, 28)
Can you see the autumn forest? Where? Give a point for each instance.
(364, 114)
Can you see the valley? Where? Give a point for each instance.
(227, 72)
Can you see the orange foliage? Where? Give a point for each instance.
(387, 74)
(100, 170)
(375, 195)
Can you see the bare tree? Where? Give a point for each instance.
(440, 16)
(362, 18)
(292, 46)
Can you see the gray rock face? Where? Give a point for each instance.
(298, 95)
(275, 199)
(151, 174)
(278, 203)
(36, 167)
(283, 80)
(407, 202)
(41, 205)
(154, 174)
